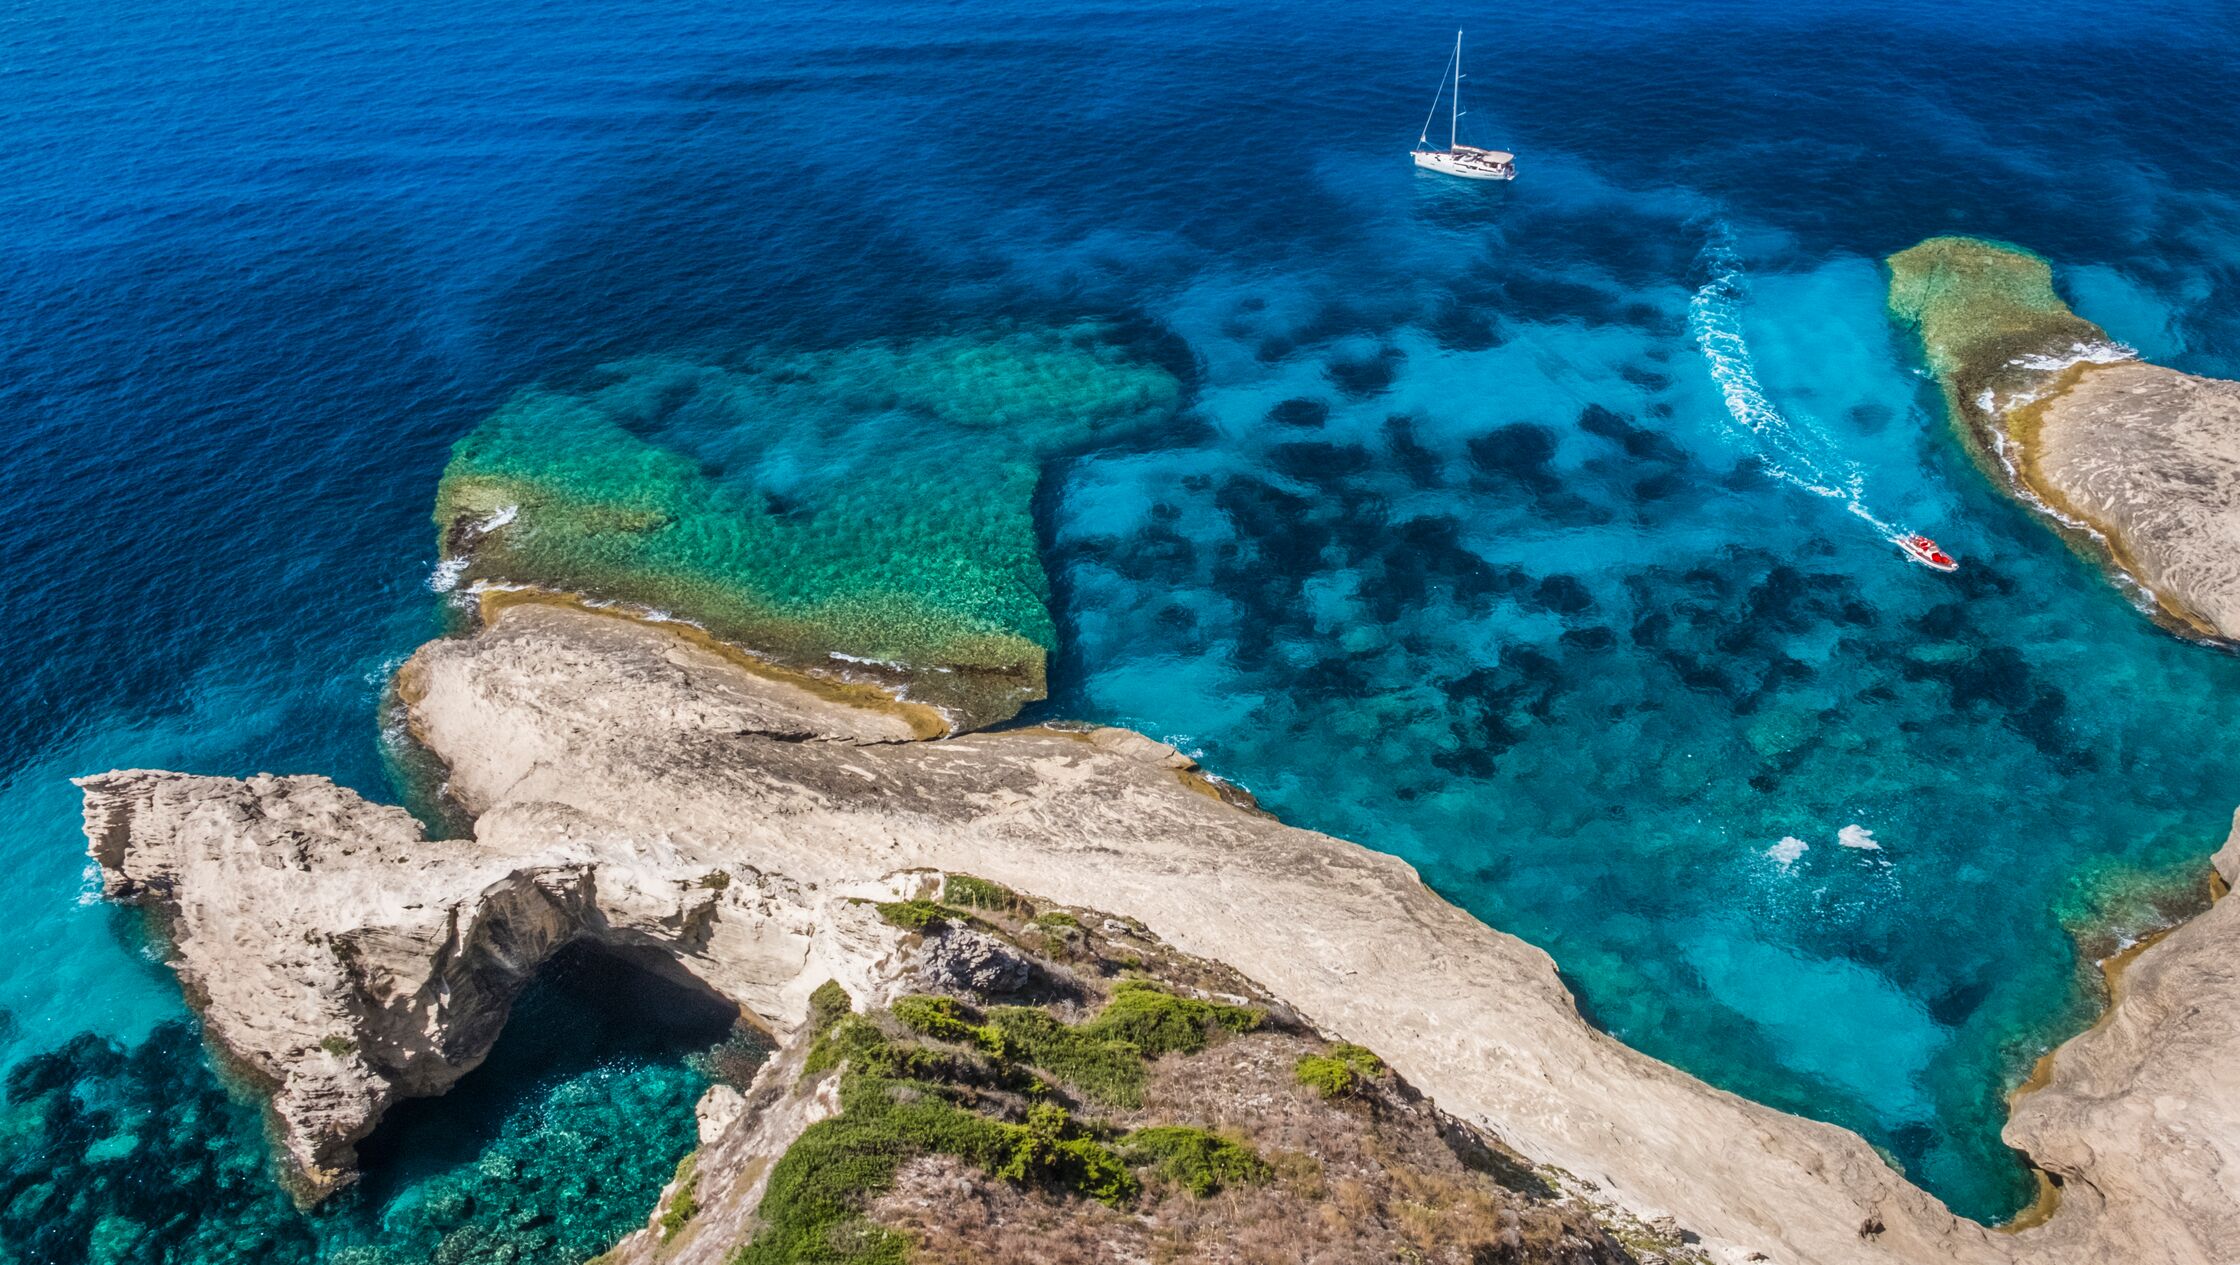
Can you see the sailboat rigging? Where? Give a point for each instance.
(1457, 159)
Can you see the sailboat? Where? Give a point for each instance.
(1466, 161)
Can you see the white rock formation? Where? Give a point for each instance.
(2150, 457)
(615, 772)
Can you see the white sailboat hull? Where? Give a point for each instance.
(1469, 166)
(1466, 161)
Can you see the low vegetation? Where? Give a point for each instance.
(1198, 1160)
(966, 892)
(1102, 1059)
(899, 1099)
(813, 1209)
(970, 1131)
(685, 1203)
(828, 1005)
(1157, 1022)
(1340, 1071)
(912, 915)
(902, 1097)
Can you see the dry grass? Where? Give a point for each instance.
(1373, 1175)
(1367, 1180)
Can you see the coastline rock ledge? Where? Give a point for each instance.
(634, 789)
(2135, 462)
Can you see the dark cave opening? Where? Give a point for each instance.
(590, 1007)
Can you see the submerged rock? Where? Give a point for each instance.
(633, 789)
(864, 513)
(2138, 462)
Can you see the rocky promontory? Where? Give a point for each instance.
(634, 789)
(2138, 463)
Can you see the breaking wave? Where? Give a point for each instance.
(2096, 353)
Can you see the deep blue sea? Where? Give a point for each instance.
(1525, 531)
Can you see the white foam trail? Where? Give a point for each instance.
(1788, 850)
(1857, 836)
(1796, 451)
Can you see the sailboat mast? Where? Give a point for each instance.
(1454, 99)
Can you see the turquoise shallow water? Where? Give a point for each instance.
(1487, 535)
(1590, 652)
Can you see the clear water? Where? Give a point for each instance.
(1562, 582)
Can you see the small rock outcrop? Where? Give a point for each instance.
(2136, 462)
(632, 788)
(959, 959)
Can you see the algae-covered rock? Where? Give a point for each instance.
(2137, 464)
(1991, 325)
(865, 512)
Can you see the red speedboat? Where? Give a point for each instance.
(1924, 551)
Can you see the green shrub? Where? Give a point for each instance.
(828, 1006)
(1042, 1152)
(1056, 918)
(947, 1019)
(1108, 1071)
(1104, 1058)
(812, 1209)
(1158, 1022)
(338, 1045)
(686, 1201)
(912, 915)
(1359, 1058)
(899, 1099)
(863, 1046)
(1198, 1160)
(1338, 1072)
(967, 892)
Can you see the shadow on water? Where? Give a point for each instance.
(588, 1008)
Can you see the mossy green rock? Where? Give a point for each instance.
(867, 510)
(1989, 320)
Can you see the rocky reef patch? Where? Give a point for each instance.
(865, 512)
(2137, 464)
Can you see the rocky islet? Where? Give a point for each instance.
(2139, 463)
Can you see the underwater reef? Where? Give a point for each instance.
(2137, 464)
(112, 1153)
(1989, 322)
(865, 512)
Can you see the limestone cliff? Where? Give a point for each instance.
(634, 788)
(2136, 462)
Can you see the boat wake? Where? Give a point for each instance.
(1795, 451)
